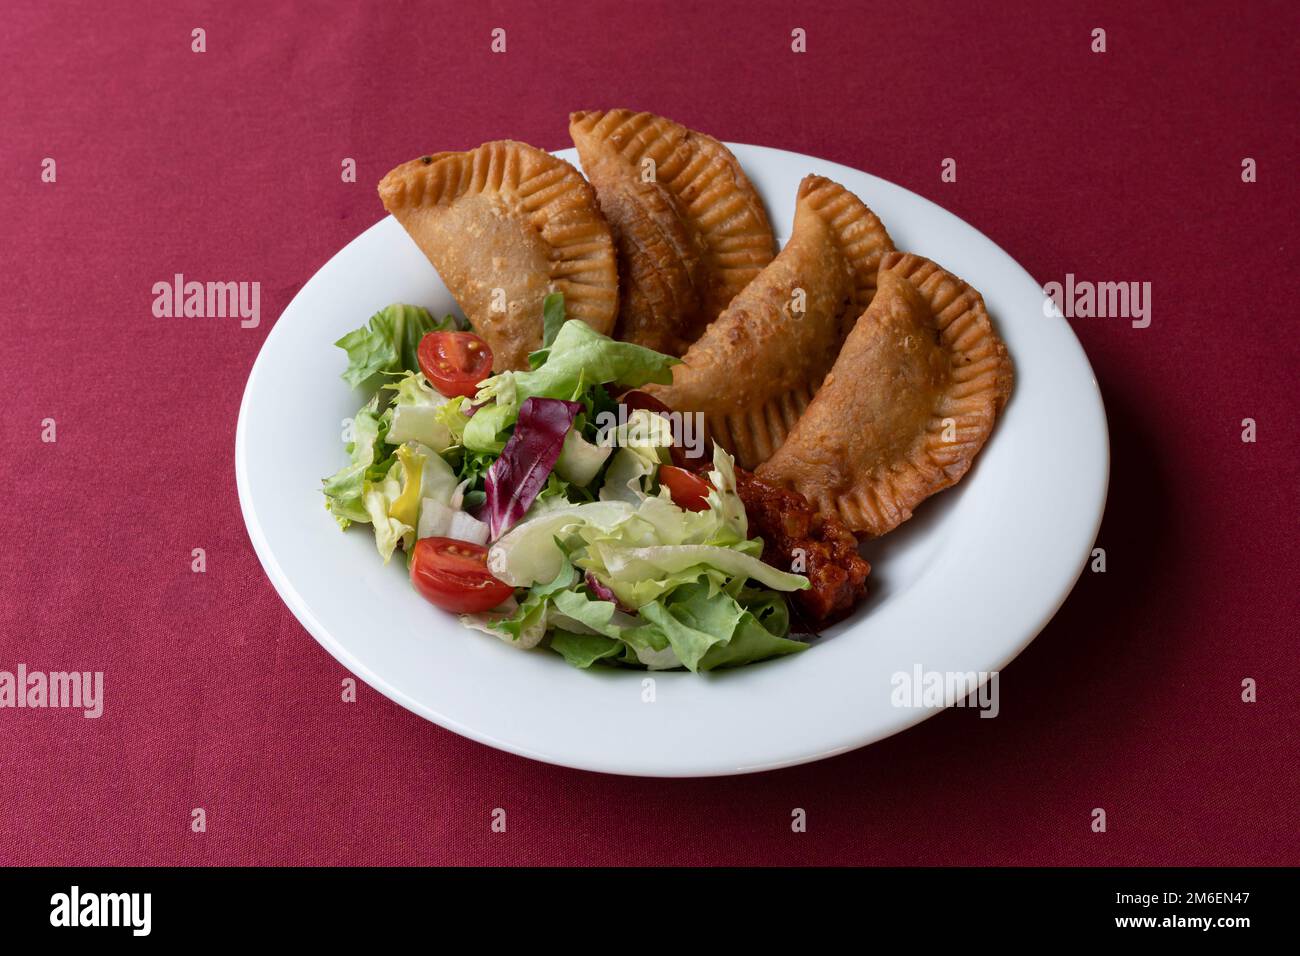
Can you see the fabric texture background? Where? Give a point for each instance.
(225, 165)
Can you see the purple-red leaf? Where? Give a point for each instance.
(604, 593)
(601, 591)
(518, 476)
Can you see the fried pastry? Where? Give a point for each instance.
(505, 224)
(756, 368)
(690, 229)
(909, 403)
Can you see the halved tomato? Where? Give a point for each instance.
(689, 490)
(453, 575)
(455, 362)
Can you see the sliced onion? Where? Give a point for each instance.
(435, 519)
(465, 527)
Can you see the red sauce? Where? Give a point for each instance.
(796, 538)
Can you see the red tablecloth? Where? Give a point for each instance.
(1116, 166)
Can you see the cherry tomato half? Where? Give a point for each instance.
(454, 576)
(689, 491)
(455, 362)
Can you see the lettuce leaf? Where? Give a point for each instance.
(580, 461)
(452, 415)
(485, 432)
(643, 442)
(405, 508)
(526, 635)
(650, 648)
(344, 489)
(724, 501)
(709, 628)
(378, 498)
(528, 553)
(694, 622)
(532, 610)
(418, 413)
(625, 566)
(583, 650)
(552, 318)
(579, 358)
(597, 616)
(388, 343)
(750, 643)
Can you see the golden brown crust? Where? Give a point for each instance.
(757, 367)
(691, 230)
(505, 224)
(910, 401)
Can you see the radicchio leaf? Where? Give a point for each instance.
(515, 479)
(604, 593)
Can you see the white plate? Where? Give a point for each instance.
(962, 587)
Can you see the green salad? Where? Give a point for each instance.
(544, 510)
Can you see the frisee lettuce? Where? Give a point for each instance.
(344, 489)
(579, 359)
(388, 343)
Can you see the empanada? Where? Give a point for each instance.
(690, 229)
(758, 365)
(909, 403)
(504, 225)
